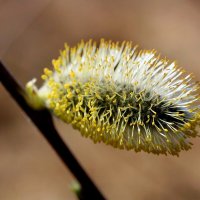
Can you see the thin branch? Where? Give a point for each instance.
(43, 121)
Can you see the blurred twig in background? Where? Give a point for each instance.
(43, 121)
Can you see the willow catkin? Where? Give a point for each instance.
(127, 98)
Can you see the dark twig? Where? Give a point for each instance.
(43, 121)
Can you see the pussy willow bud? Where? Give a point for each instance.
(128, 98)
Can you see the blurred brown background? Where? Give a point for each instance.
(31, 34)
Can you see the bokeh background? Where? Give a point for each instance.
(31, 34)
